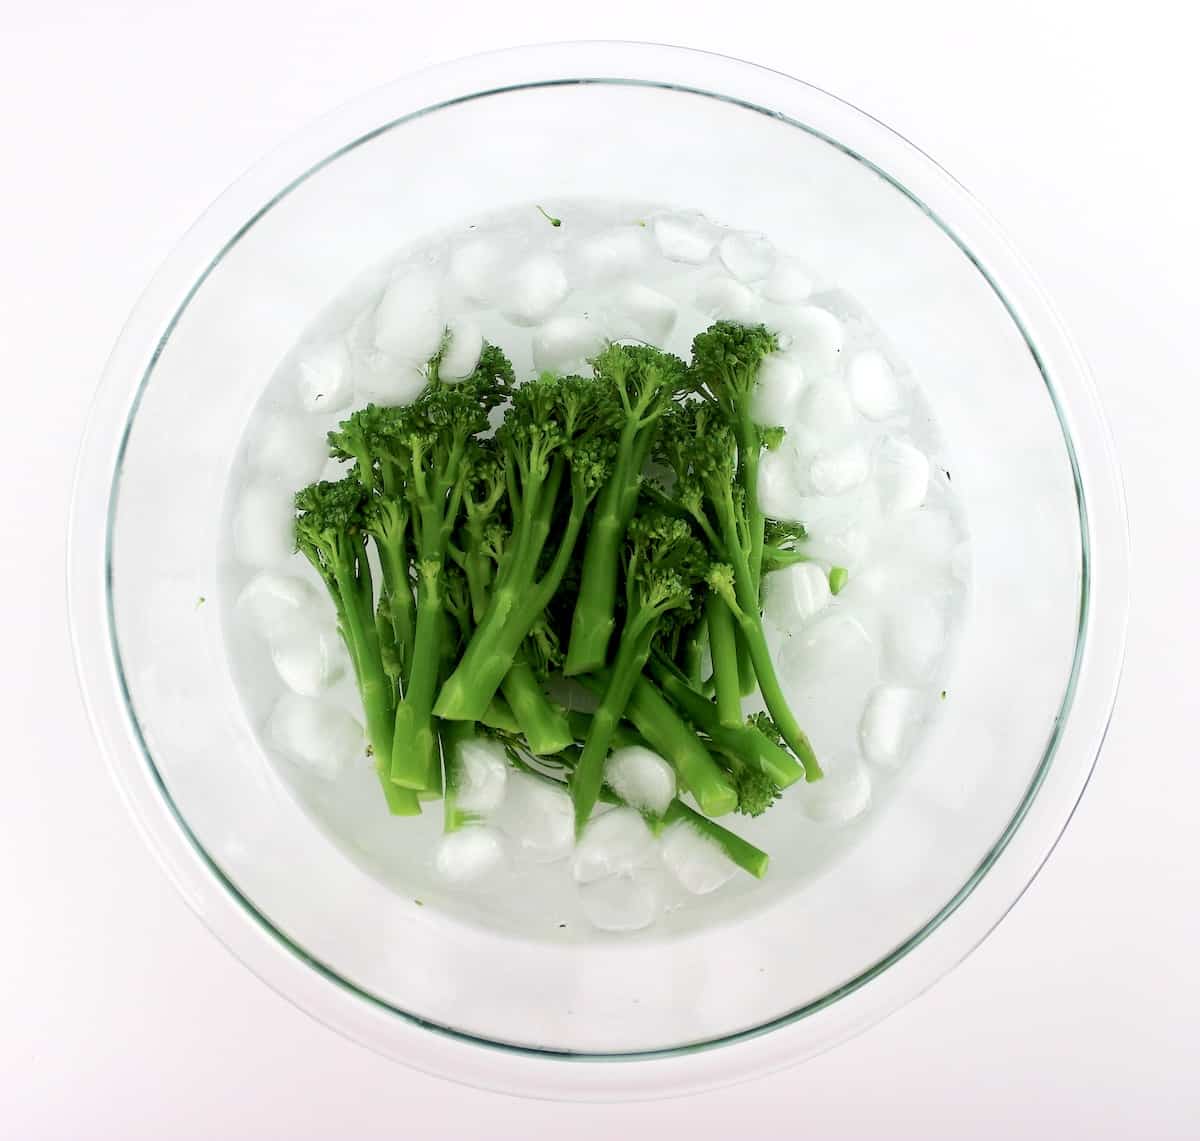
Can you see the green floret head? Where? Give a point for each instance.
(726, 359)
(644, 378)
(696, 442)
(330, 524)
(765, 724)
(664, 564)
(756, 791)
(781, 533)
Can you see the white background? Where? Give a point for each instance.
(120, 1017)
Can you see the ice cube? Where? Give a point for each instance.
(842, 794)
(641, 778)
(263, 525)
(610, 255)
(788, 282)
(794, 594)
(271, 600)
(776, 398)
(566, 344)
(291, 447)
(826, 670)
(781, 494)
(536, 288)
(308, 656)
(685, 238)
(469, 854)
(477, 268)
(960, 561)
(914, 637)
(383, 379)
(616, 843)
(640, 313)
(727, 299)
(817, 339)
(749, 257)
(408, 323)
(314, 734)
(621, 903)
(889, 723)
(876, 392)
(538, 817)
(464, 344)
(902, 475)
(323, 377)
(695, 860)
(838, 470)
(482, 774)
(826, 416)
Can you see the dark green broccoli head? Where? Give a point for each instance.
(697, 443)
(644, 379)
(756, 791)
(330, 524)
(726, 359)
(664, 563)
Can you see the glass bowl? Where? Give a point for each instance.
(751, 988)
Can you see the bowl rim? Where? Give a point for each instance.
(1001, 877)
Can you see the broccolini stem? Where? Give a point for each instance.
(691, 656)
(745, 742)
(496, 716)
(515, 605)
(394, 563)
(374, 687)
(749, 442)
(632, 653)
(452, 735)
(543, 723)
(414, 744)
(672, 738)
(722, 641)
(741, 852)
(594, 619)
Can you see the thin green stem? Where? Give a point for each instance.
(722, 641)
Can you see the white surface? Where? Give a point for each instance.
(123, 1018)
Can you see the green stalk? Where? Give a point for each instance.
(375, 690)
(673, 739)
(691, 657)
(741, 852)
(414, 744)
(632, 653)
(496, 716)
(393, 560)
(515, 604)
(722, 641)
(594, 619)
(453, 735)
(744, 603)
(544, 724)
(746, 743)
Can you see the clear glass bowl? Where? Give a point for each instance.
(996, 779)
